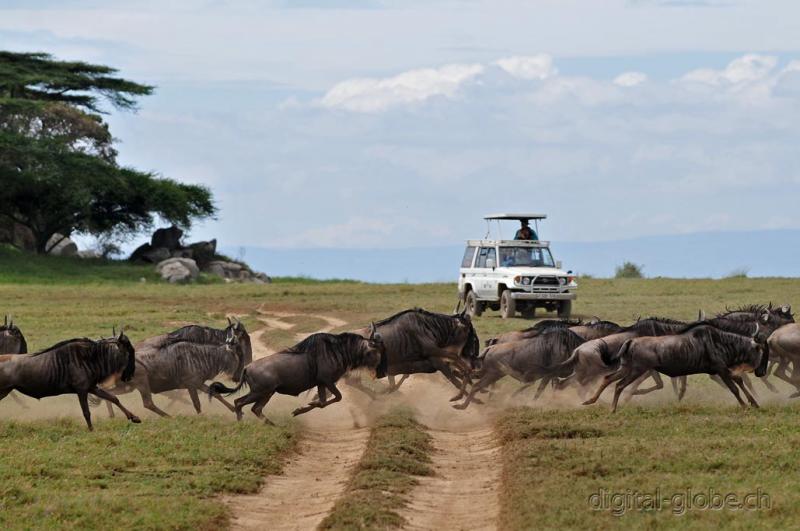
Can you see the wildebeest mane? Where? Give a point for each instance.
(656, 326)
(558, 340)
(548, 324)
(343, 351)
(196, 334)
(747, 308)
(441, 327)
(709, 337)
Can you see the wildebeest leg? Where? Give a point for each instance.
(659, 384)
(622, 384)
(355, 383)
(445, 369)
(486, 380)
(741, 383)
(747, 383)
(395, 386)
(318, 402)
(204, 388)
(83, 398)
(147, 402)
(105, 395)
(522, 388)
(726, 378)
(249, 398)
(195, 399)
(110, 409)
(258, 407)
(559, 384)
(542, 387)
(765, 380)
(679, 386)
(608, 379)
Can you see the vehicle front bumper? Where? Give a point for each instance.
(528, 296)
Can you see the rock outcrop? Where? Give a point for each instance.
(175, 270)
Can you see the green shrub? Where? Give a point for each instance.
(629, 270)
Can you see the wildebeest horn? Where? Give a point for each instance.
(6, 323)
(595, 320)
(786, 308)
(770, 305)
(113, 330)
(701, 315)
(372, 330)
(755, 334)
(228, 317)
(765, 317)
(121, 331)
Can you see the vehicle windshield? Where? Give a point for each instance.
(526, 257)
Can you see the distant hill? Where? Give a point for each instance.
(696, 255)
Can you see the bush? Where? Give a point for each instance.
(629, 270)
(738, 273)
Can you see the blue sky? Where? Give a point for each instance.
(366, 123)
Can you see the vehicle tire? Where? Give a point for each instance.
(473, 306)
(508, 306)
(529, 311)
(564, 309)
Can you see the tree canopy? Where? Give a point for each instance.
(58, 166)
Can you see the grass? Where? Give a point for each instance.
(162, 474)
(554, 463)
(397, 452)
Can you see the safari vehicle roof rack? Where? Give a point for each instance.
(518, 217)
(497, 218)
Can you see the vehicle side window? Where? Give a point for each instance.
(484, 254)
(468, 255)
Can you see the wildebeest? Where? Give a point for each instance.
(73, 366)
(586, 364)
(528, 360)
(175, 363)
(419, 341)
(784, 343)
(318, 361)
(532, 331)
(11, 339)
(699, 348)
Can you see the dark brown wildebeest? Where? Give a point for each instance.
(74, 366)
(699, 349)
(318, 361)
(586, 363)
(178, 364)
(419, 341)
(11, 339)
(529, 360)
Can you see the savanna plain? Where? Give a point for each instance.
(555, 463)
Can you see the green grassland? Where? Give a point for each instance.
(166, 473)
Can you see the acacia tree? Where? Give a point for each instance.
(58, 169)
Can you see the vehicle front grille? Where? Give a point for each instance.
(545, 281)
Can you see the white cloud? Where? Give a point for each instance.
(630, 79)
(746, 69)
(538, 66)
(375, 94)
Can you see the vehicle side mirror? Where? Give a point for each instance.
(490, 263)
(558, 264)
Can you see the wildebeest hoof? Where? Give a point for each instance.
(587, 403)
(457, 397)
(136, 420)
(460, 406)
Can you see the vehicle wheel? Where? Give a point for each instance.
(529, 312)
(565, 309)
(474, 307)
(508, 306)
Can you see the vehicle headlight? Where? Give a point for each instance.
(526, 281)
(562, 281)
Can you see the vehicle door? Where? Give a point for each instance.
(486, 279)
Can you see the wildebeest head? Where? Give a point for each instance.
(236, 327)
(126, 349)
(234, 343)
(762, 346)
(11, 339)
(375, 355)
(472, 346)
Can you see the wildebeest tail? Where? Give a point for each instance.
(220, 388)
(568, 363)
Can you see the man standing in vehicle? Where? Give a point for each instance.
(525, 232)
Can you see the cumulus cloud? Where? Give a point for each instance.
(630, 79)
(745, 69)
(538, 66)
(378, 94)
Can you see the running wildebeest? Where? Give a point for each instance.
(699, 348)
(586, 364)
(180, 364)
(532, 331)
(529, 360)
(784, 343)
(73, 366)
(419, 341)
(318, 361)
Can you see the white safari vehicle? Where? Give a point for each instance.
(514, 275)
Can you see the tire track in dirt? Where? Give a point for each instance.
(463, 492)
(312, 479)
(311, 483)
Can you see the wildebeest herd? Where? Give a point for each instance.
(589, 356)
